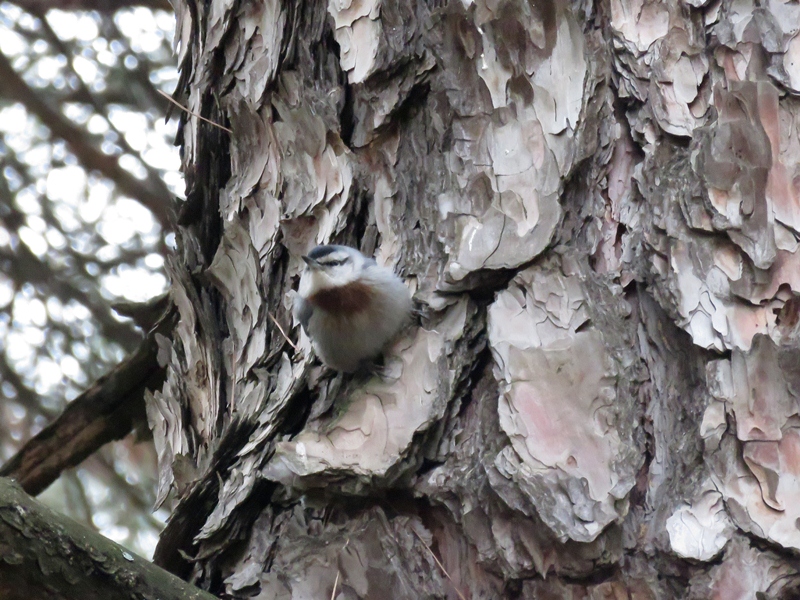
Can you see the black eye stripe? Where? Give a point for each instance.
(333, 262)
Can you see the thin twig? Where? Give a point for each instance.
(283, 333)
(335, 583)
(194, 114)
(441, 566)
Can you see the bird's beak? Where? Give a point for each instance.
(311, 262)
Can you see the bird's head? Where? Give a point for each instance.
(331, 267)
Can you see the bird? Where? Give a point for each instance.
(349, 306)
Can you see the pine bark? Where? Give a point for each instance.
(595, 207)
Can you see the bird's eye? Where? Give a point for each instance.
(334, 263)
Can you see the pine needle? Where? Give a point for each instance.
(335, 583)
(194, 114)
(283, 333)
(441, 566)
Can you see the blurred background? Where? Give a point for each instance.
(87, 159)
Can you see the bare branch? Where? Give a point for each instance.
(102, 6)
(105, 412)
(24, 265)
(153, 194)
(98, 101)
(48, 555)
(24, 394)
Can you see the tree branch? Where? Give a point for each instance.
(47, 555)
(154, 196)
(98, 101)
(23, 265)
(102, 6)
(107, 411)
(24, 394)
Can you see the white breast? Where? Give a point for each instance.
(345, 343)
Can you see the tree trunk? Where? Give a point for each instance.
(595, 206)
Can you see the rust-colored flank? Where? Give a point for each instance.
(346, 300)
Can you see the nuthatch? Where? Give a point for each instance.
(350, 307)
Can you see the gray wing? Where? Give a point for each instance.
(302, 312)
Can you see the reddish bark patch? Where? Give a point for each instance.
(346, 300)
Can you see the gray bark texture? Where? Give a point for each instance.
(597, 207)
